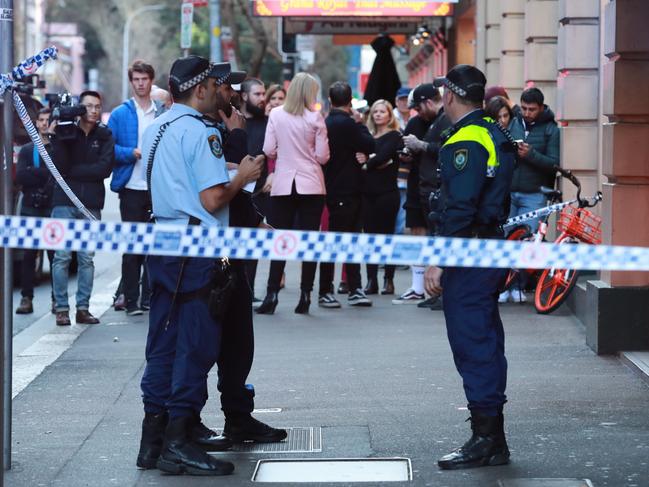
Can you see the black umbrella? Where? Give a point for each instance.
(383, 82)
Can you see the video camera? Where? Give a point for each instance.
(65, 112)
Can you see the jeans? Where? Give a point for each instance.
(526, 202)
(61, 266)
(400, 226)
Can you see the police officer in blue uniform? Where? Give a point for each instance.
(476, 162)
(235, 360)
(189, 185)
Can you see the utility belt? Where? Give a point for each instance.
(217, 292)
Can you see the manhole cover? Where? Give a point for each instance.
(333, 470)
(299, 440)
(545, 483)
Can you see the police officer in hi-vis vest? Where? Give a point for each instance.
(476, 161)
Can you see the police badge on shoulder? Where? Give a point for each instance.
(460, 158)
(215, 145)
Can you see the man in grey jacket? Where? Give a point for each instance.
(538, 154)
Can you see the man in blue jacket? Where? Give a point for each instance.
(128, 122)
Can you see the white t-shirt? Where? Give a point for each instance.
(144, 119)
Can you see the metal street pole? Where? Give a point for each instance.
(215, 31)
(6, 208)
(125, 43)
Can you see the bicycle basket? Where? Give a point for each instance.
(580, 223)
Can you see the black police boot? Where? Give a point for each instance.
(267, 307)
(486, 447)
(302, 307)
(153, 430)
(181, 455)
(241, 427)
(207, 438)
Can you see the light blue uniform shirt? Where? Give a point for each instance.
(188, 160)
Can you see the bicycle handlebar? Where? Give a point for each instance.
(568, 175)
(583, 203)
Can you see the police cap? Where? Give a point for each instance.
(465, 81)
(189, 71)
(224, 74)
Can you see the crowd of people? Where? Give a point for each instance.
(341, 170)
(434, 163)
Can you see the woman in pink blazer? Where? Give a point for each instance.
(296, 136)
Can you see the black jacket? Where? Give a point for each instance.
(37, 182)
(343, 173)
(537, 168)
(243, 212)
(428, 163)
(383, 166)
(84, 163)
(416, 126)
(256, 131)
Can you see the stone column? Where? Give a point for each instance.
(577, 109)
(625, 157)
(616, 307)
(541, 47)
(512, 47)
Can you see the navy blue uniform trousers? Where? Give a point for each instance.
(179, 356)
(476, 335)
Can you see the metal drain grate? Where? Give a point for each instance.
(299, 440)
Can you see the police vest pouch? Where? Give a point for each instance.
(221, 289)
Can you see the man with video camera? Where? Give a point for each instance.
(84, 154)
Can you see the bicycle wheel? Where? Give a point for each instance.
(554, 286)
(519, 232)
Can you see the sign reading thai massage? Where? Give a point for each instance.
(347, 8)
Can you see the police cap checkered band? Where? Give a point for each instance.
(222, 73)
(465, 81)
(188, 72)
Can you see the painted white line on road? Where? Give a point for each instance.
(29, 361)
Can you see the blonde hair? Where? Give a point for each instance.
(393, 123)
(302, 94)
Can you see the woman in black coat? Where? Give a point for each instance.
(380, 193)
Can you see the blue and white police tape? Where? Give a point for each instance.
(255, 243)
(541, 212)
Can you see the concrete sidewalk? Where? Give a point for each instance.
(380, 382)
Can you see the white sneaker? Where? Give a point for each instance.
(504, 296)
(409, 297)
(518, 296)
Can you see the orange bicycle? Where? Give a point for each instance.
(575, 225)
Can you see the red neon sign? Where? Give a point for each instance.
(347, 8)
